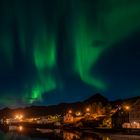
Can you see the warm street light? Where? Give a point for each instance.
(19, 117)
(78, 113)
(16, 117)
(20, 128)
(127, 107)
(70, 111)
(87, 109)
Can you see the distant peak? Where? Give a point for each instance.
(98, 94)
(96, 98)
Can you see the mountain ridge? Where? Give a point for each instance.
(62, 108)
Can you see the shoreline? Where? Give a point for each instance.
(121, 131)
(112, 131)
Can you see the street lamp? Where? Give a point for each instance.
(70, 111)
(127, 108)
(16, 117)
(78, 113)
(87, 109)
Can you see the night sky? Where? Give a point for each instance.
(54, 51)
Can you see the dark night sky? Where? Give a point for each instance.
(54, 51)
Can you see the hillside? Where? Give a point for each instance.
(61, 108)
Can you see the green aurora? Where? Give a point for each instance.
(30, 41)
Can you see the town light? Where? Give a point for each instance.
(70, 111)
(87, 109)
(20, 128)
(78, 113)
(19, 117)
(16, 117)
(127, 107)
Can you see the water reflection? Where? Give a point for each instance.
(20, 128)
(71, 135)
(124, 137)
(75, 135)
(22, 133)
(16, 128)
(15, 136)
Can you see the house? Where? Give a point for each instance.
(134, 114)
(119, 118)
(68, 118)
(127, 116)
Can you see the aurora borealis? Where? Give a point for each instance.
(56, 51)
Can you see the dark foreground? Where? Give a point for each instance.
(24, 133)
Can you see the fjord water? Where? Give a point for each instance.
(51, 136)
(48, 134)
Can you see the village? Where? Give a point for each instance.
(119, 115)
